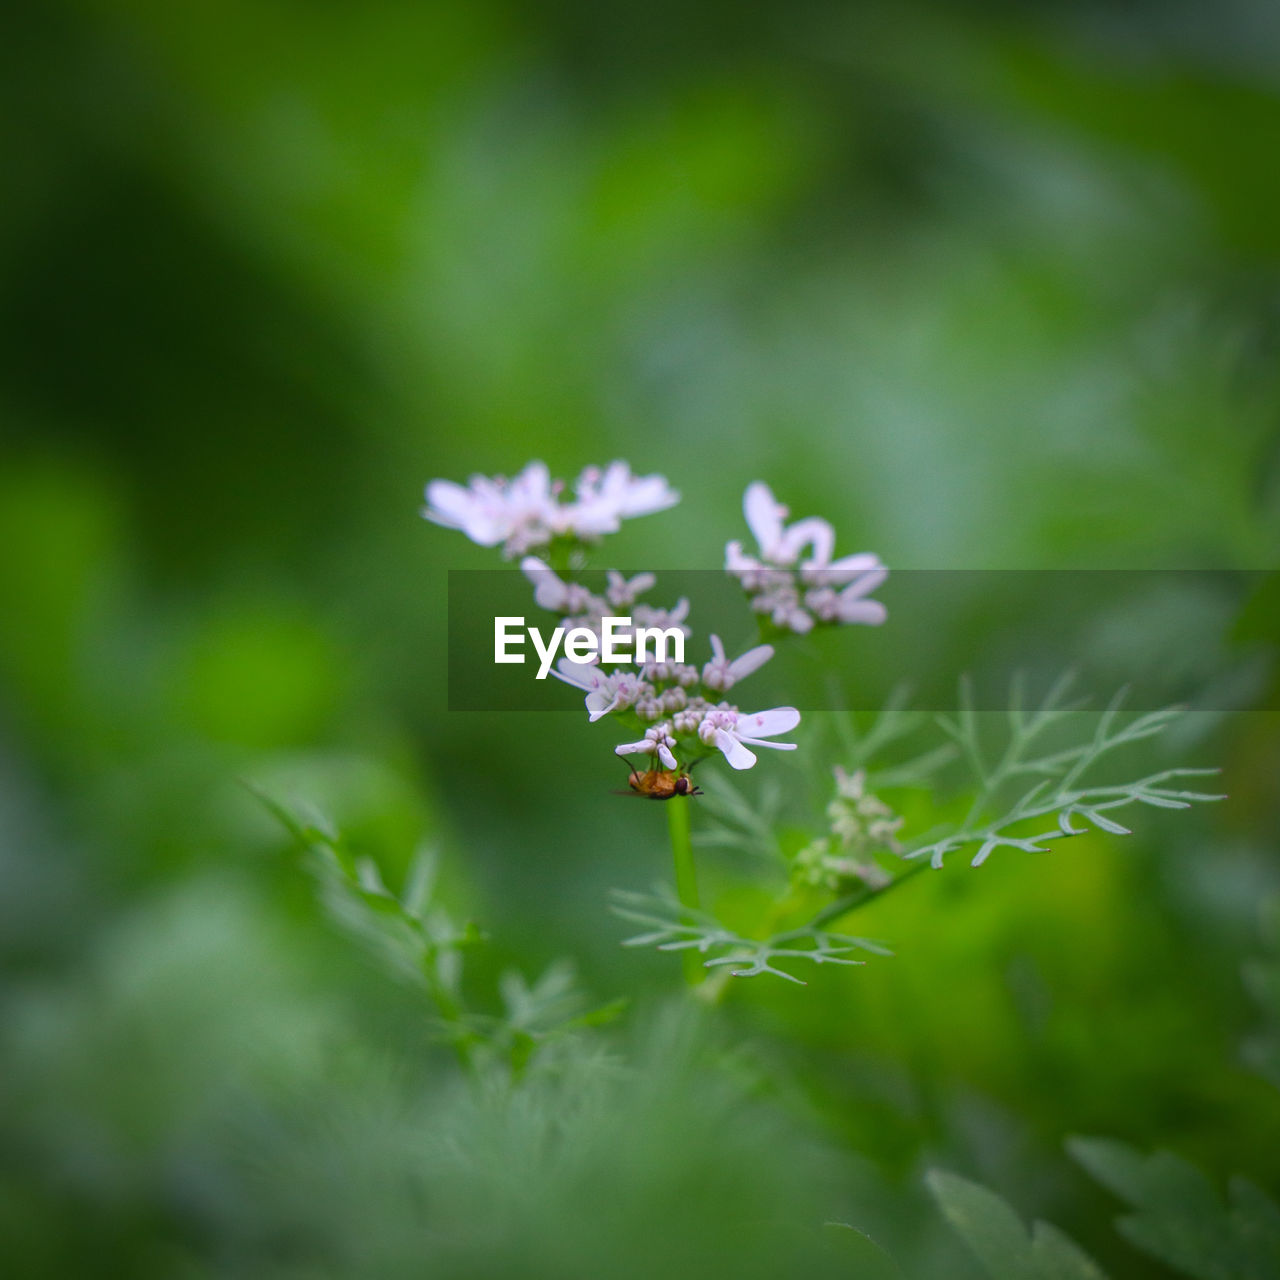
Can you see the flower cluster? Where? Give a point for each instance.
(669, 699)
(528, 512)
(577, 606)
(793, 581)
(676, 711)
(862, 825)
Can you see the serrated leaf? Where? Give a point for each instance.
(1000, 1242)
(1181, 1218)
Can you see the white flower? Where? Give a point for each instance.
(835, 591)
(782, 604)
(729, 730)
(721, 675)
(815, 572)
(606, 498)
(552, 593)
(526, 513)
(778, 544)
(622, 592)
(644, 615)
(857, 576)
(614, 494)
(605, 692)
(848, 606)
(657, 741)
(747, 569)
(518, 513)
(854, 608)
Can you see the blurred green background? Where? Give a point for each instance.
(989, 286)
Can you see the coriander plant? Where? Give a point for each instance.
(1039, 776)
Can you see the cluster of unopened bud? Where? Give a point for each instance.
(861, 826)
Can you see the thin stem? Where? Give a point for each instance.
(850, 902)
(450, 1012)
(686, 874)
(715, 989)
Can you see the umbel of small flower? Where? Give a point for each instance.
(529, 511)
(793, 582)
(668, 701)
(676, 708)
(676, 712)
(861, 825)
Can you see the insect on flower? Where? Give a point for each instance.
(661, 784)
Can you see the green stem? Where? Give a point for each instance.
(686, 875)
(450, 1012)
(851, 902)
(714, 990)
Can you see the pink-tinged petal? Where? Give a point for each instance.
(618, 593)
(773, 746)
(812, 532)
(869, 613)
(666, 756)
(737, 561)
(864, 584)
(593, 517)
(582, 675)
(615, 479)
(454, 507)
(859, 563)
(487, 490)
(633, 748)
(533, 484)
(588, 481)
(750, 661)
(764, 516)
(766, 724)
(550, 591)
(448, 503)
(840, 572)
(734, 752)
(600, 702)
(647, 495)
(717, 650)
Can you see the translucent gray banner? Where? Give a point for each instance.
(1204, 637)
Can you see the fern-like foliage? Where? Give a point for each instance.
(893, 724)
(1036, 776)
(1036, 782)
(668, 926)
(419, 940)
(734, 822)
